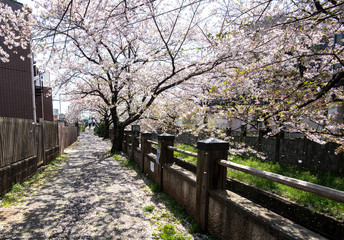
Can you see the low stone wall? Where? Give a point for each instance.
(325, 225)
(317, 222)
(51, 154)
(16, 173)
(229, 214)
(181, 185)
(151, 167)
(234, 217)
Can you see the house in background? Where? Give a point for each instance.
(43, 95)
(55, 114)
(20, 96)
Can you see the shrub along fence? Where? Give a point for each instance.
(204, 196)
(24, 146)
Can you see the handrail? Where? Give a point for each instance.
(152, 142)
(323, 191)
(182, 151)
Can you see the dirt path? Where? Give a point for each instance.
(91, 197)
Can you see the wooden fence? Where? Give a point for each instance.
(203, 192)
(17, 140)
(51, 139)
(24, 146)
(67, 135)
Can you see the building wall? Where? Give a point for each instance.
(15, 81)
(47, 105)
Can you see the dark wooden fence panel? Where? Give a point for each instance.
(67, 135)
(50, 135)
(72, 135)
(17, 140)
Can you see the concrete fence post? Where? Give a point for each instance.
(129, 140)
(164, 155)
(134, 144)
(228, 132)
(39, 143)
(126, 138)
(123, 141)
(57, 140)
(146, 148)
(210, 175)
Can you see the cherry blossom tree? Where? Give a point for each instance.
(91, 104)
(275, 62)
(127, 54)
(290, 75)
(14, 30)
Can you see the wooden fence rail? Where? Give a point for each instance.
(182, 151)
(152, 142)
(323, 191)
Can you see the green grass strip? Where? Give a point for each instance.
(184, 156)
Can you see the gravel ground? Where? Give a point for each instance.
(91, 197)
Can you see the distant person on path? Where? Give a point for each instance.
(90, 123)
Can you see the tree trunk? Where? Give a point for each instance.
(106, 127)
(117, 139)
(118, 131)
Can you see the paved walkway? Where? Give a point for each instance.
(92, 197)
